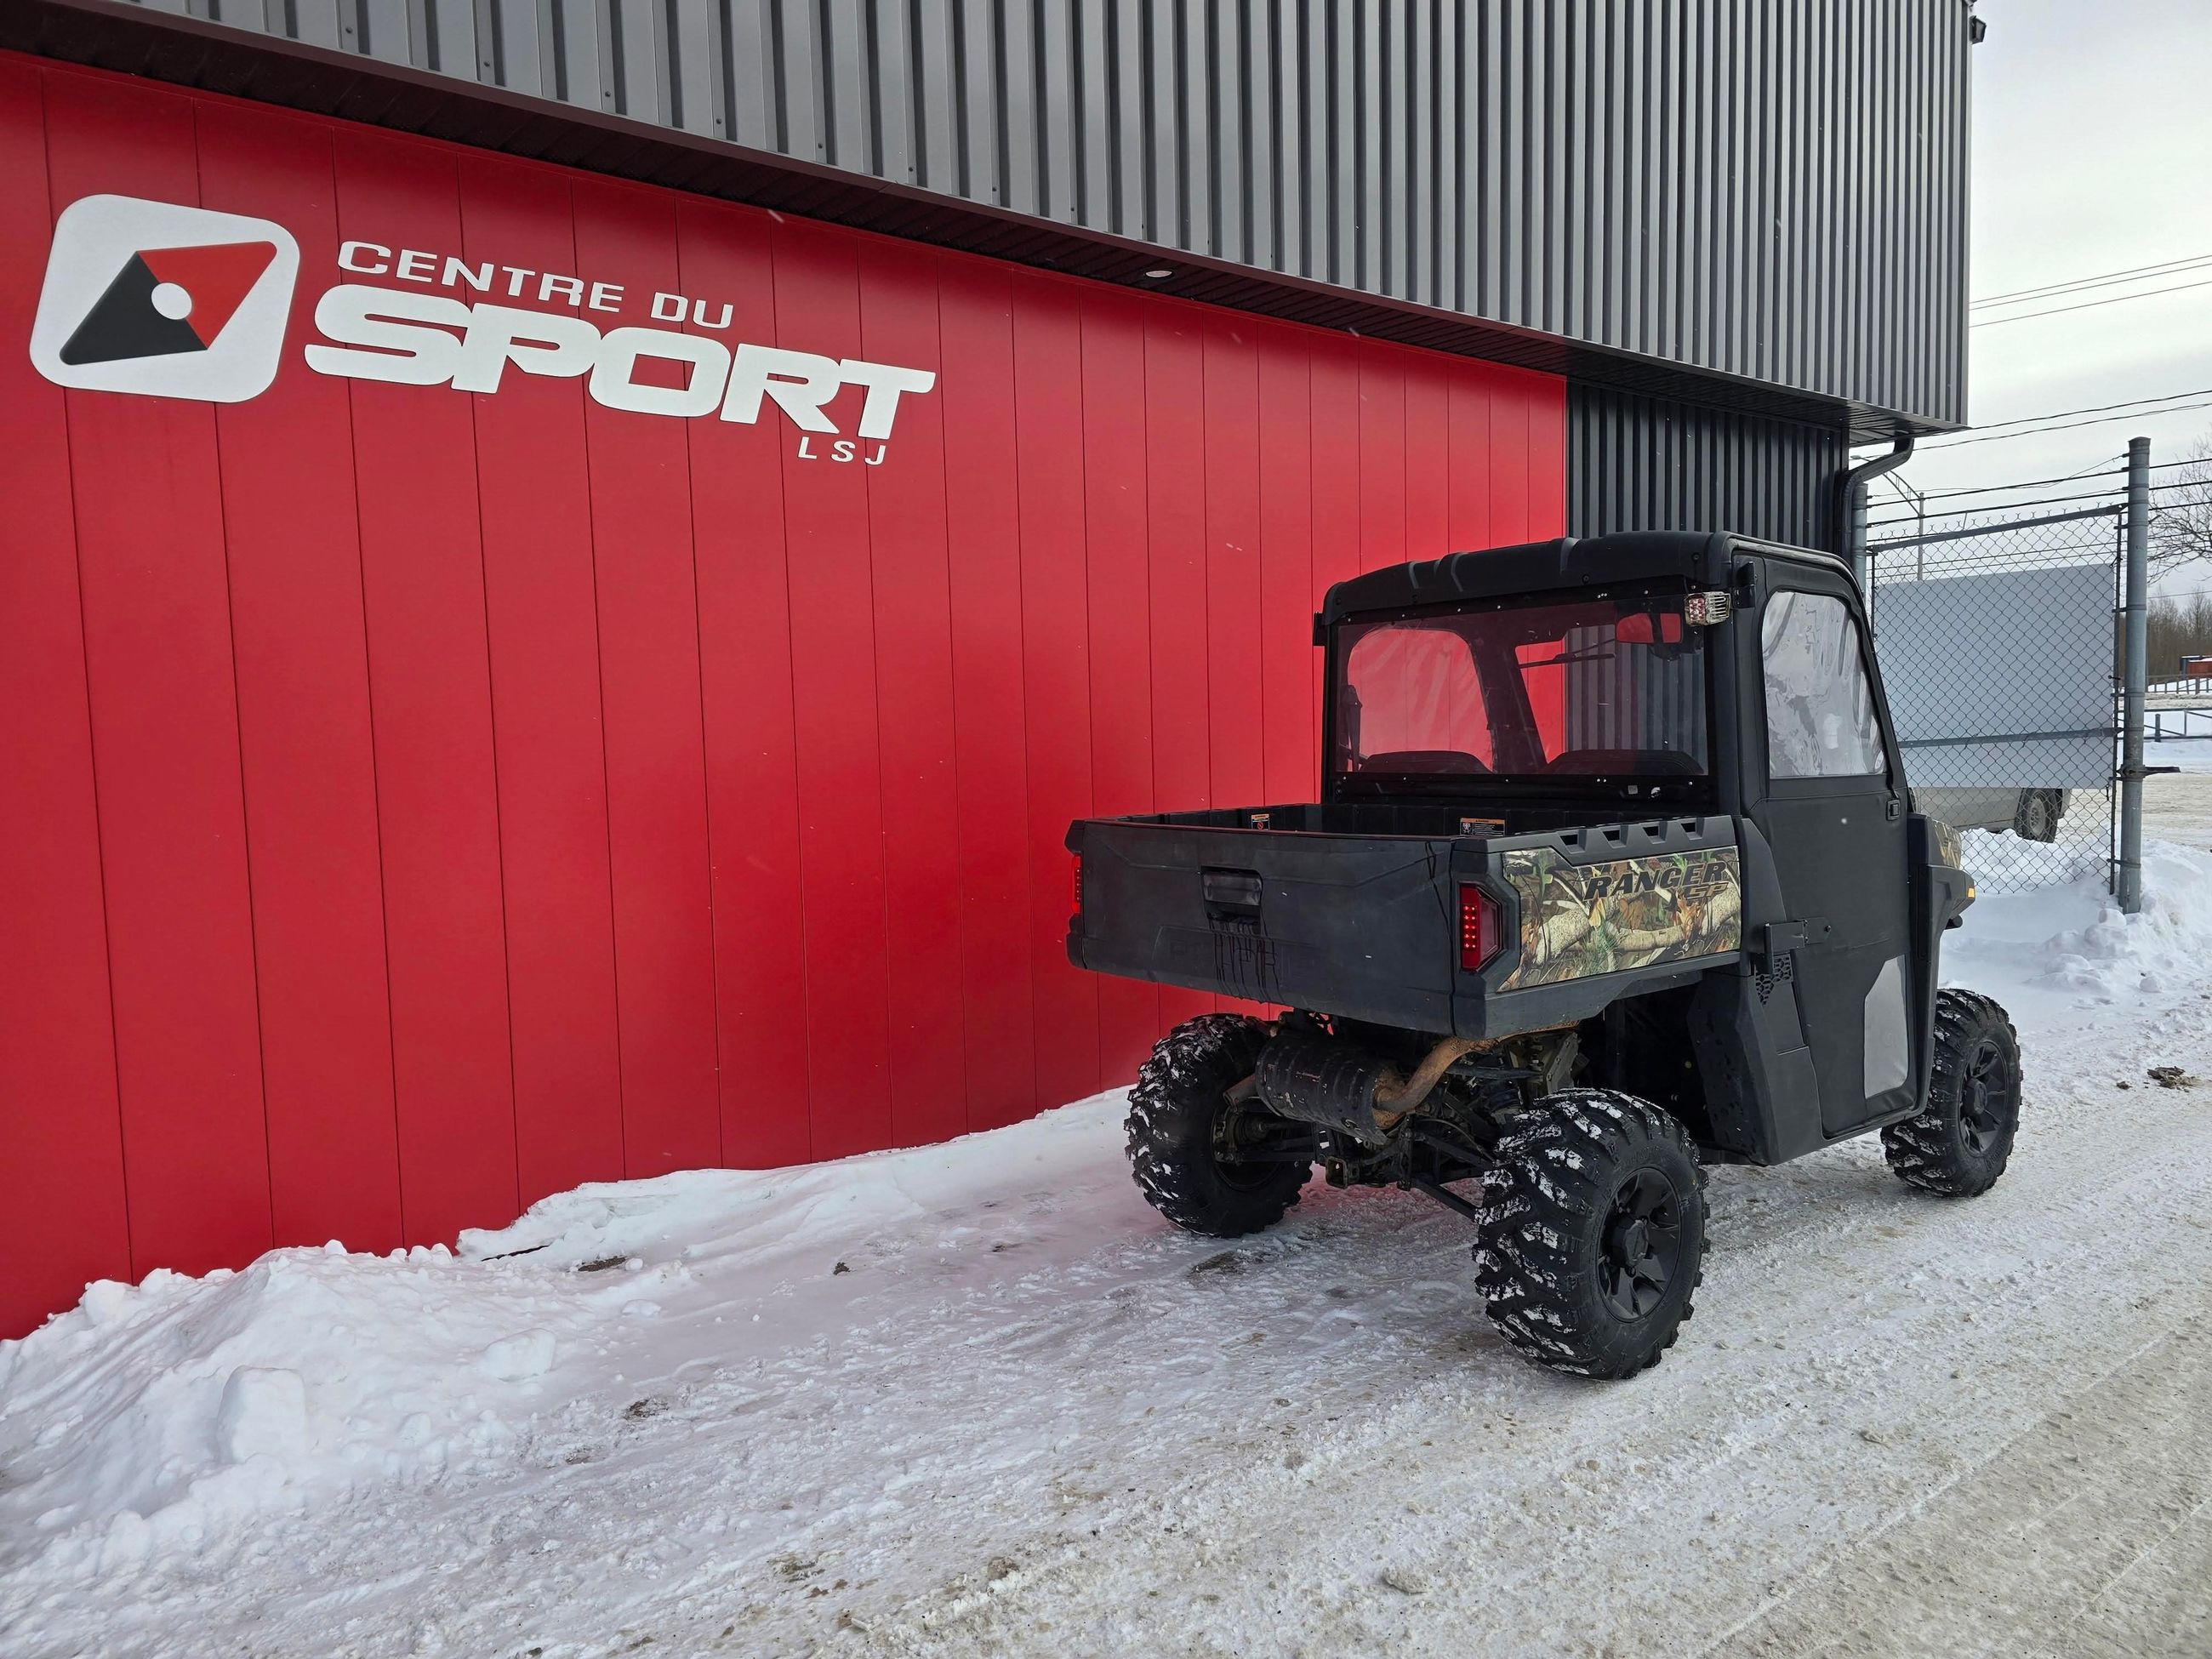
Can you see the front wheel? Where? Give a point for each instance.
(1182, 1124)
(1961, 1140)
(1593, 1237)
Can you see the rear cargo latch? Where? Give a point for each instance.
(1230, 895)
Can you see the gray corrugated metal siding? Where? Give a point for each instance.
(1768, 188)
(1649, 463)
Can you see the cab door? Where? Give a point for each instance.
(1834, 814)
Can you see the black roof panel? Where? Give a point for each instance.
(1532, 567)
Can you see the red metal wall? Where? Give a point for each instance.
(415, 802)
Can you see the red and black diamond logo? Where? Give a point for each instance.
(168, 300)
(164, 301)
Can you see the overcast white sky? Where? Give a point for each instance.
(2091, 153)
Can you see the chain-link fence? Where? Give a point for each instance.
(1997, 643)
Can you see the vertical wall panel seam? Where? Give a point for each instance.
(499, 834)
(706, 763)
(375, 780)
(1090, 671)
(1028, 907)
(91, 761)
(606, 767)
(798, 870)
(498, 806)
(1305, 359)
(952, 694)
(876, 717)
(238, 737)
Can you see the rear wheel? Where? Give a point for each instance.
(1959, 1144)
(1183, 1143)
(2036, 816)
(1593, 1238)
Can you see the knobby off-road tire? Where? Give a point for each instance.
(1175, 1112)
(1959, 1145)
(1593, 1233)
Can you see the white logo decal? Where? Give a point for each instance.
(164, 302)
(170, 301)
(433, 339)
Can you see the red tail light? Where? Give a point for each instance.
(1077, 881)
(1478, 928)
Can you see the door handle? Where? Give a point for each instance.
(1894, 811)
(1777, 938)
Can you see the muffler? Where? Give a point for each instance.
(1345, 1089)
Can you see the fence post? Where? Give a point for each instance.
(2135, 668)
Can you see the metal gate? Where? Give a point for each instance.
(2001, 657)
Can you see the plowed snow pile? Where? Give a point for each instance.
(977, 1396)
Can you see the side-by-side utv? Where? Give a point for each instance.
(1613, 875)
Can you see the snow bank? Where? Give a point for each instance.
(151, 1425)
(2056, 955)
(151, 1419)
(762, 1220)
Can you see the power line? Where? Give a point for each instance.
(2102, 420)
(2112, 495)
(1995, 490)
(2093, 409)
(2102, 279)
(2088, 305)
(2110, 462)
(1989, 431)
(2005, 507)
(2114, 462)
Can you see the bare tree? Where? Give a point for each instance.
(2181, 519)
(2177, 628)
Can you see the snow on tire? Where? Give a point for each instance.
(1960, 1142)
(1179, 1096)
(1593, 1233)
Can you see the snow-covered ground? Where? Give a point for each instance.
(978, 1398)
(2178, 805)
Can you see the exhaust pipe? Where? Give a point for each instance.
(1345, 1090)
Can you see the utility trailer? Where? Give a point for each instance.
(1613, 875)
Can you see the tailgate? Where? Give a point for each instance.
(1361, 926)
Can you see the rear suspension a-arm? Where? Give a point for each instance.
(1445, 1196)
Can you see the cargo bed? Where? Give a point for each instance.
(1410, 915)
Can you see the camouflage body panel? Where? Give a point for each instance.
(1579, 921)
(1945, 840)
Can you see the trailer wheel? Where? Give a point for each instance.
(2036, 816)
(1959, 1145)
(1179, 1115)
(1593, 1236)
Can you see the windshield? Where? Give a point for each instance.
(1609, 687)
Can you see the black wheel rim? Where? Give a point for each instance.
(1985, 1097)
(1640, 1245)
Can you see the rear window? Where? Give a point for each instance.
(1597, 688)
